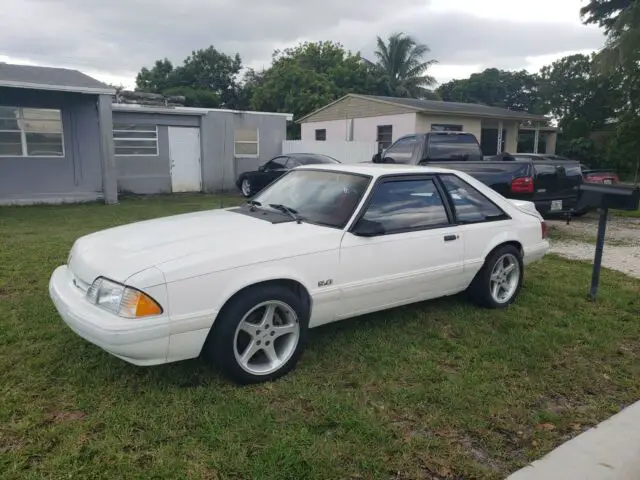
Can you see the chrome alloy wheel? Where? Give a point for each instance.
(246, 188)
(505, 277)
(266, 337)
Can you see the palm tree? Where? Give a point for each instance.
(400, 63)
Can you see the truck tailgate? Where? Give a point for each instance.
(497, 175)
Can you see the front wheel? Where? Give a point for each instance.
(259, 335)
(246, 188)
(499, 281)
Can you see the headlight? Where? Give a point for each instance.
(122, 300)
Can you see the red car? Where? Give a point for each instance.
(605, 175)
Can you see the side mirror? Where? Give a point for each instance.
(261, 168)
(368, 228)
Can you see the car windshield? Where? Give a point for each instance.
(317, 196)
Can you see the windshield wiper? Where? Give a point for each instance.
(288, 210)
(253, 204)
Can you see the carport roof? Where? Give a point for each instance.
(47, 78)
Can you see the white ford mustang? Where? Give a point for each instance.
(243, 285)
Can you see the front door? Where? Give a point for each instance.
(184, 157)
(419, 256)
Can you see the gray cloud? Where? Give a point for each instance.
(121, 36)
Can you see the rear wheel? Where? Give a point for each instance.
(499, 281)
(259, 335)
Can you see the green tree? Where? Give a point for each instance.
(307, 77)
(620, 20)
(213, 71)
(207, 78)
(497, 88)
(157, 79)
(401, 67)
(578, 96)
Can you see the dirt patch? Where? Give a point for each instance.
(622, 242)
(620, 230)
(59, 417)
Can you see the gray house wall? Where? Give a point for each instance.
(75, 177)
(149, 174)
(220, 167)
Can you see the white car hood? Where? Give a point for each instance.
(120, 252)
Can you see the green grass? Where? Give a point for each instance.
(435, 390)
(627, 213)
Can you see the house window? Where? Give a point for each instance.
(385, 135)
(135, 139)
(31, 132)
(440, 127)
(246, 142)
(321, 135)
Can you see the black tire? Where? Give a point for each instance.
(479, 292)
(220, 345)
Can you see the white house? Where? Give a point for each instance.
(368, 118)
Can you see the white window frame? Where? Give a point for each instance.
(135, 139)
(378, 127)
(247, 155)
(23, 134)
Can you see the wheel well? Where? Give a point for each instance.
(513, 243)
(296, 287)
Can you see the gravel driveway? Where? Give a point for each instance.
(577, 241)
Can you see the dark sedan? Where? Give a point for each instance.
(251, 183)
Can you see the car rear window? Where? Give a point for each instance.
(454, 147)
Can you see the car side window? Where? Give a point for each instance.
(292, 163)
(402, 150)
(470, 206)
(277, 163)
(404, 205)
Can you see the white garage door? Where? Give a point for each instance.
(184, 154)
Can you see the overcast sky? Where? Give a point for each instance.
(113, 40)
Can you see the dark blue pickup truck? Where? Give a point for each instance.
(552, 184)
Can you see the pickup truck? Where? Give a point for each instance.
(553, 185)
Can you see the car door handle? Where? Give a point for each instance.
(450, 238)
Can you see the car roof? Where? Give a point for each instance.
(376, 169)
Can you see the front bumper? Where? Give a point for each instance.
(137, 341)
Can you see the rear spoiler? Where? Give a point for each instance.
(599, 170)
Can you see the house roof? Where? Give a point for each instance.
(47, 78)
(442, 107)
(180, 110)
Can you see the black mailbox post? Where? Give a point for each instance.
(604, 197)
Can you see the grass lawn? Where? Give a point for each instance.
(627, 213)
(436, 390)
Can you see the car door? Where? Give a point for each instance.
(404, 150)
(272, 170)
(480, 221)
(417, 255)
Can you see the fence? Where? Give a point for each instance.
(345, 152)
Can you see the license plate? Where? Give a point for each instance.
(607, 181)
(556, 205)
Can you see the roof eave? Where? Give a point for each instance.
(515, 116)
(58, 88)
